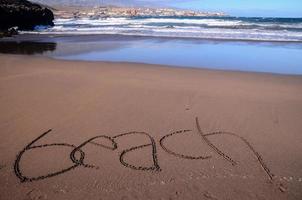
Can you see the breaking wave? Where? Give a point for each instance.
(231, 28)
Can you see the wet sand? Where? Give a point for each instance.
(268, 57)
(100, 130)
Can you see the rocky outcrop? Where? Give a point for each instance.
(8, 33)
(23, 14)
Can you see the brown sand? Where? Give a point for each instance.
(259, 159)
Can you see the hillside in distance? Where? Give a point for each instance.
(99, 2)
(118, 8)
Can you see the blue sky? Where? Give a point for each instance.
(265, 8)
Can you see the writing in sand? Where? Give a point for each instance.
(77, 155)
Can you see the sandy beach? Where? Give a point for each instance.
(101, 130)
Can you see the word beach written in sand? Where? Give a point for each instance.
(77, 155)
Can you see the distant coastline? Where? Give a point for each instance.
(116, 11)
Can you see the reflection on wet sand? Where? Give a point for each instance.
(269, 57)
(28, 48)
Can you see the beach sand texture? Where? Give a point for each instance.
(137, 131)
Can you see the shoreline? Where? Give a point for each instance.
(202, 68)
(26, 36)
(267, 57)
(150, 65)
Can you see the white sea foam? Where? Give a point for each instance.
(208, 28)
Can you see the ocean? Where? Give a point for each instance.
(226, 28)
(272, 45)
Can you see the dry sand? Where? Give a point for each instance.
(246, 143)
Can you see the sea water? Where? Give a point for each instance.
(230, 43)
(230, 28)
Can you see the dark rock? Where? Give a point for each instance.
(23, 14)
(9, 32)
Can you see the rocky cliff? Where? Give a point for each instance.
(23, 14)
